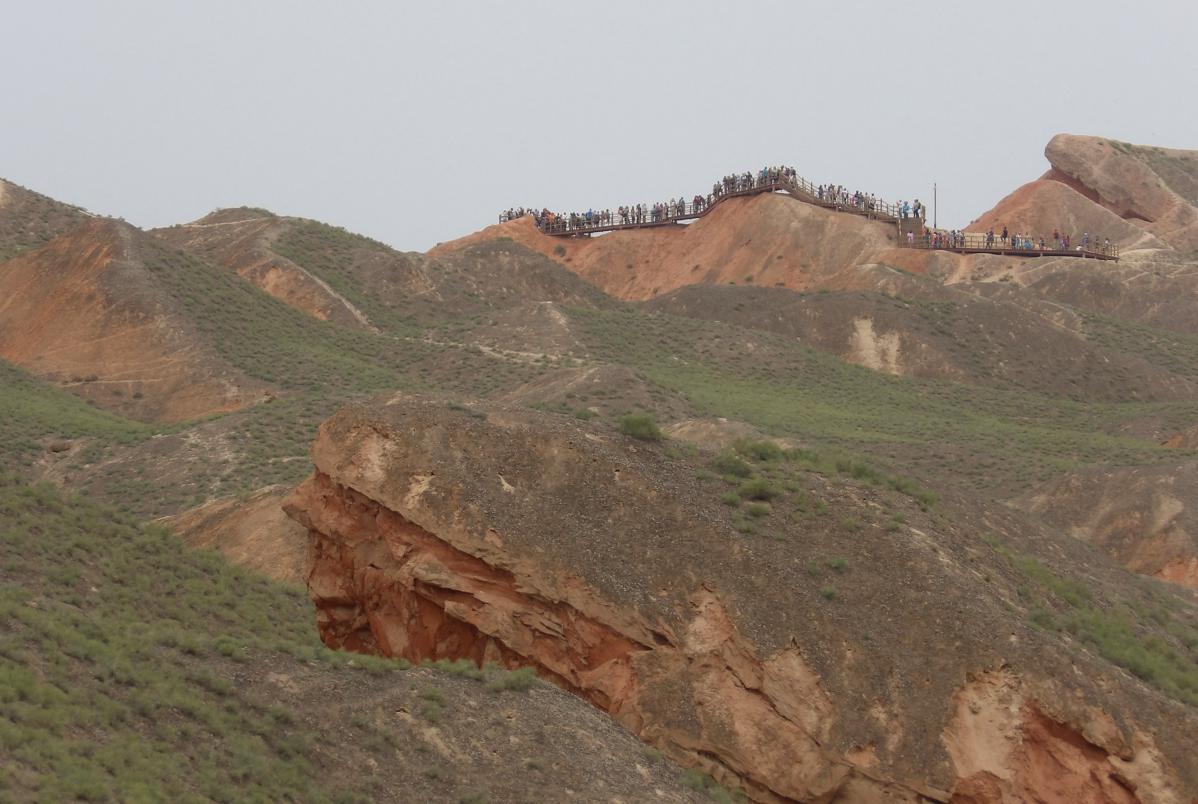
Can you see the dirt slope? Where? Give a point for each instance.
(86, 311)
(1144, 518)
(766, 240)
(438, 533)
(252, 532)
(1152, 288)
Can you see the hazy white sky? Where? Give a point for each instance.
(417, 122)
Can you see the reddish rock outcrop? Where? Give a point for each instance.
(517, 538)
(1141, 197)
(1155, 188)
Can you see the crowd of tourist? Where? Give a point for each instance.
(833, 196)
(1010, 241)
(780, 177)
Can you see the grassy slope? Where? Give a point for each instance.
(987, 437)
(316, 365)
(328, 251)
(1141, 626)
(109, 631)
(32, 411)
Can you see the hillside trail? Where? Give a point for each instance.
(225, 223)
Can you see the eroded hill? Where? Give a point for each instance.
(768, 240)
(91, 311)
(358, 282)
(813, 586)
(798, 635)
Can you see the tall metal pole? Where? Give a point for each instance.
(935, 208)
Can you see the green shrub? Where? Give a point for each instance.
(521, 680)
(730, 498)
(838, 564)
(742, 525)
(728, 464)
(759, 450)
(641, 426)
(758, 488)
(758, 509)
(828, 593)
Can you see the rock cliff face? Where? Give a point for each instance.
(510, 537)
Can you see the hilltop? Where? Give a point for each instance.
(29, 219)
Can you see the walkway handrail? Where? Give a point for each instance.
(980, 242)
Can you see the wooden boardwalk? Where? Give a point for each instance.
(976, 243)
(802, 190)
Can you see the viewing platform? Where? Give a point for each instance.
(977, 243)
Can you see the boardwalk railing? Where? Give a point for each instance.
(979, 243)
(786, 181)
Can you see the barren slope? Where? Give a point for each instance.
(88, 311)
(1042, 206)
(250, 531)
